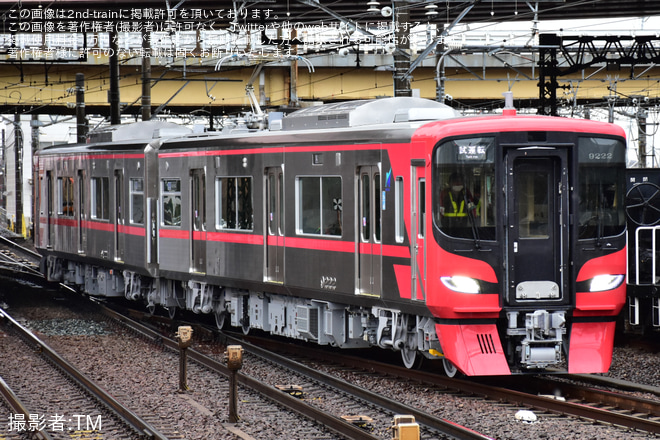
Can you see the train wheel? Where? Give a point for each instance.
(450, 369)
(411, 358)
(245, 326)
(220, 319)
(171, 311)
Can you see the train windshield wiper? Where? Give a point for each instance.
(599, 227)
(600, 215)
(473, 223)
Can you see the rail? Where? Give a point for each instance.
(294, 404)
(129, 417)
(499, 393)
(18, 408)
(289, 402)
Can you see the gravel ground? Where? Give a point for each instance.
(490, 418)
(636, 365)
(146, 378)
(202, 413)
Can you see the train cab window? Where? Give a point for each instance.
(100, 201)
(137, 201)
(234, 203)
(319, 205)
(464, 188)
(171, 202)
(601, 187)
(65, 196)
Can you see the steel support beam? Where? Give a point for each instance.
(581, 52)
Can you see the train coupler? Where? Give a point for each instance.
(541, 338)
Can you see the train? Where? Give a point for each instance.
(642, 312)
(494, 244)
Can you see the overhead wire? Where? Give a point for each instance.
(411, 5)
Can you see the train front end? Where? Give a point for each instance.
(526, 269)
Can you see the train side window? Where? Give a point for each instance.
(65, 196)
(400, 225)
(137, 201)
(59, 196)
(49, 191)
(319, 205)
(171, 202)
(234, 203)
(377, 213)
(421, 228)
(100, 198)
(365, 212)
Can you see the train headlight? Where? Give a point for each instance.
(461, 284)
(600, 283)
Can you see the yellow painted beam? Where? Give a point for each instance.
(38, 84)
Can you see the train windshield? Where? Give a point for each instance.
(601, 177)
(464, 195)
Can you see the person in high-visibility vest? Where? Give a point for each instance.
(456, 202)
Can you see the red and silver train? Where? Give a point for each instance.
(495, 244)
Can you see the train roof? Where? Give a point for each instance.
(529, 123)
(145, 131)
(135, 136)
(377, 120)
(367, 112)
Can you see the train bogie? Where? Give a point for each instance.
(474, 241)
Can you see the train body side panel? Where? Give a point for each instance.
(320, 240)
(314, 261)
(233, 251)
(132, 227)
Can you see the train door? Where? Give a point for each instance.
(537, 242)
(369, 239)
(418, 230)
(274, 240)
(119, 242)
(198, 220)
(82, 234)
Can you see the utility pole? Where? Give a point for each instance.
(18, 157)
(81, 121)
(402, 52)
(113, 94)
(146, 77)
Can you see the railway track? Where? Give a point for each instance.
(602, 406)
(20, 265)
(53, 399)
(540, 393)
(141, 362)
(12, 252)
(622, 411)
(318, 387)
